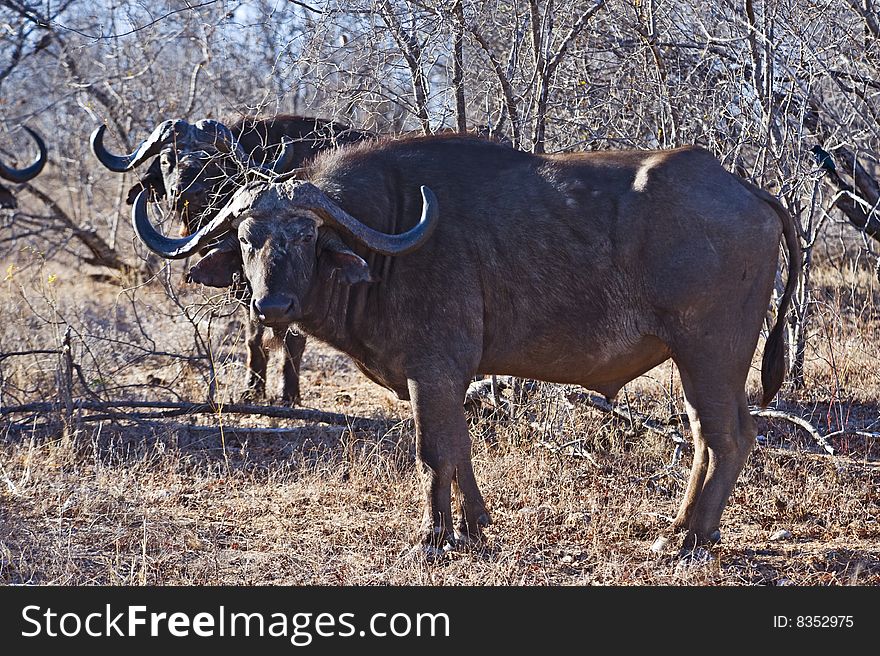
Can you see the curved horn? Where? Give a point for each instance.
(31, 171)
(379, 242)
(161, 135)
(178, 249)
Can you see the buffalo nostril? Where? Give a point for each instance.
(274, 310)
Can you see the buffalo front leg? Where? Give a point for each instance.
(443, 449)
(292, 351)
(257, 356)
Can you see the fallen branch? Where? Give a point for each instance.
(635, 418)
(481, 392)
(174, 409)
(487, 392)
(797, 421)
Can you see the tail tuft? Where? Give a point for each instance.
(773, 364)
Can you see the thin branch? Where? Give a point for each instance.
(458, 67)
(312, 9)
(547, 69)
(135, 30)
(412, 54)
(3, 356)
(506, 87)
(194, 78)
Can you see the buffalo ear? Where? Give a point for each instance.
(341, 260)
(133, 193)
(350, 268)
(217, 268)
(152, 180)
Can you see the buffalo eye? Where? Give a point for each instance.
(167, 161)
(246, 246)
(300, 238)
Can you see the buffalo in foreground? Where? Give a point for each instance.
(7, 200)
(431, 260)
(198, 166)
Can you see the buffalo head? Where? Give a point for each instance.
(7, 200)
(198, 166)
(283, 237)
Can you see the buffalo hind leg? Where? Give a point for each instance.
(444, 454)
(257, 356)
(697, 476)
(724, 434)
(292, 352)
(474, 515)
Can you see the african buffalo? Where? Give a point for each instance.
(7, 200)
(198, 167)
(586, 268)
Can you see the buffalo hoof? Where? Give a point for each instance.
(696, 559)
(251, 396)
(428, 553)
(437, 537)
(465, 541)
(291, 400)
(433, 544)
(696, 550)
(470, 533)
(661, 545)
(692, 543)
(693, 540)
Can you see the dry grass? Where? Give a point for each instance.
(165, 503)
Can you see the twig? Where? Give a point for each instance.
(65, 383)
(10, 354)
(573, 448)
